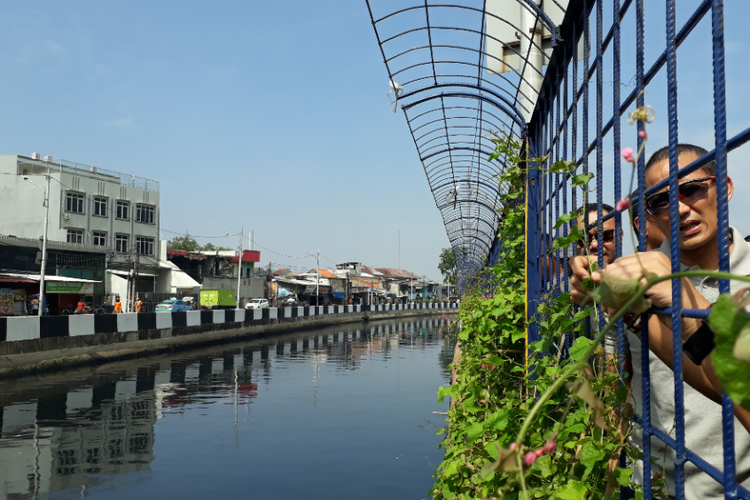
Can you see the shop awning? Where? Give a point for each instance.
(127, 273)
(36, 278)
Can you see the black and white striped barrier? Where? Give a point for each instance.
(34, 327)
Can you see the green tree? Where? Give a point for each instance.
(449, 263)
(186, 243)
(210, 247)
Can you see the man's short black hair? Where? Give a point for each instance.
(593, 207)
(663, 154)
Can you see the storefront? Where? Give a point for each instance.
(19, 293)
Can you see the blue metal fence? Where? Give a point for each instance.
(452, 95)
(560, 127)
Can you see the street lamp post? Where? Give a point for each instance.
(239, 262)
(317, 276)
(44, 239)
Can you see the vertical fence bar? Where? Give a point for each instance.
(722, 191)
(674, 214)
(645, 368)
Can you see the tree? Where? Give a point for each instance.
(189, 244)
(449, 263)
(186, 243)
(210, 247)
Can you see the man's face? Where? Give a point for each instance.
(608, 233)
(698, 222)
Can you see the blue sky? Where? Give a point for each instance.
(271, 115)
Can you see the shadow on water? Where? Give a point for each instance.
(348, 412)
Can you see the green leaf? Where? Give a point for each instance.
(581, 389)
(565, 241)
(445, 391)
(573, 490)
(562, 166)
(727, 321)
(622, 476)
(579, 347)
(518, 335)
(474, 431)
(581, 180)
(566, 218)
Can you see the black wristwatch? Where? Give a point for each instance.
(700, 344)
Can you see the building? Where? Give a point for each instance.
(88, 205)
(94, 210)
(217, 270)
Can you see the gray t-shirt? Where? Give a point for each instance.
(703, 429)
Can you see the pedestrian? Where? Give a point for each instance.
(118, 305)
(138, 304)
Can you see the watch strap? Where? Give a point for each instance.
(700, 344)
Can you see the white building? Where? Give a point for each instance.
(88, 206)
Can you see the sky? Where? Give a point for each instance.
(267, 116)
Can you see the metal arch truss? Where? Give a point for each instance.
(461, 73)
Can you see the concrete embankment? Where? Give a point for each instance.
(31, 345)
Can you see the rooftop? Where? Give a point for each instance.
(28, 165)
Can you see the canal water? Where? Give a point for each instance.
(335, 413)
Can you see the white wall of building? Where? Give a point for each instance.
(27, 217)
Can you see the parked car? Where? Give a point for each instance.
(174, 305)
(291, 302)
(257, 304)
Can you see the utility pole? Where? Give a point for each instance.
(239, 262)
(317, 276)
(42, 273)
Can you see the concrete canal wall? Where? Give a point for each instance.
(32, 344)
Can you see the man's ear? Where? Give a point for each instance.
(730, 188)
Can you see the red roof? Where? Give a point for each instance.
(324, 273)
(396, 273)
(248, 256)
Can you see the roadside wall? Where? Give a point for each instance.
(32, 344)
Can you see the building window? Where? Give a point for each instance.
(144, 246)
(100, 206)
(144, 213)
(100, 238)
(121, 243)
(75, 236)
(123, 210)
(74, 203)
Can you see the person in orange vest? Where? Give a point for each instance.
(118, 305)
(138, 304)
(81, 306)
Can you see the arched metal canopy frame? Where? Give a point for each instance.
(454, 103)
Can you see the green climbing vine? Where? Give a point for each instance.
(536, 421)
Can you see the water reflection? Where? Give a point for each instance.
(72, 434)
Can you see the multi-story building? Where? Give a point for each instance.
(89, 206)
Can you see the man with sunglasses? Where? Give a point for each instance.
(698, 240)
(591, 241)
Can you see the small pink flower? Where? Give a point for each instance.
(549, 447)
(530, 458)
(512, 446)
(642, 134)
(627, 153)
(622, 205)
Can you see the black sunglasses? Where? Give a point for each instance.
(688, 192)
(607, 236)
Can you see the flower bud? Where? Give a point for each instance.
(642, 134)
(530, 458)
(622, 205)
(627, 153)
(549, 447)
